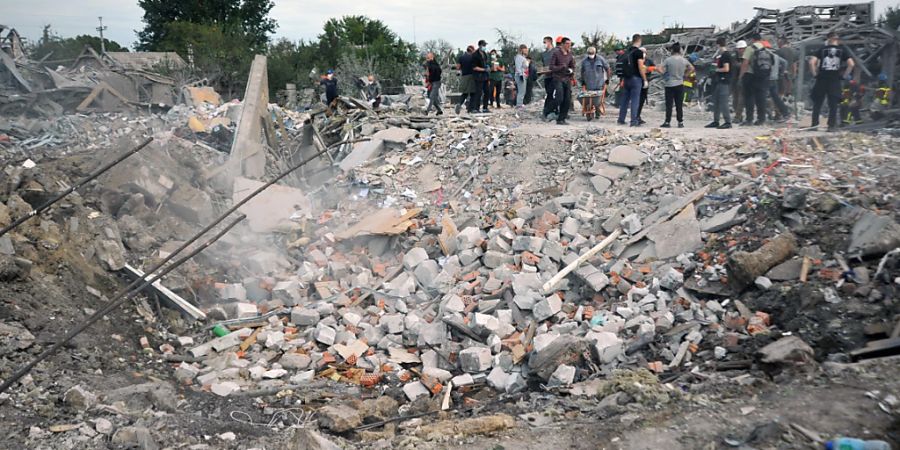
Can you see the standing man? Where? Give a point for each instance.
(433, 83)
(532, 78)
(562, 67)
(373, 91)
(779, 72)
(521, 77)
(467, 85)
(548, 79)
(826, 68)
(480, 64)
(635, 74)
(595, 74)
(722, 87)
(755, 71)
(331, 87)
(737, 91)
(674, 69)
(790, 55)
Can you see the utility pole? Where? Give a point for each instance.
(102, 42)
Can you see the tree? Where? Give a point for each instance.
(604, 42)
(55, 48)
(440, 47)
(355, 44)
(891, 18)
(247, 18)
(508, 45)
(212, 52)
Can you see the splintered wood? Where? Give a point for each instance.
(386, 221)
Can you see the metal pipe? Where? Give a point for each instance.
(72, 189)
(144, 282)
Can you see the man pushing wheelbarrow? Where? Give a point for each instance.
(595, 73)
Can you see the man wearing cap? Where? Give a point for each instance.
(737, 91)
(331, 87)
(562, 68)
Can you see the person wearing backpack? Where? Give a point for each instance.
(635, 77)
(826, 68)
(755, 71)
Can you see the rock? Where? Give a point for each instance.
(414, 257)
(110, 253)
(672, 280)
(10, 270)
(326, 335)
(131, 437)
(631, 224)
(786, 271)
(679, 235)
(307, 439)
(566, 349)
(547, 308)
(79, 398)
(600, 183)
(626, 155)
(763, 282)
(494, 259)
(475, 359)
(526, 282)
(304, 317)
(564, 375)
(497, 379)
(295, 361)
(610, 171)
(396, 135)
(794, 198)
(339, 418)
(873, 235)
(103, 426)
(427, 272)
(606, 346)
(787, 350)
(362, 152)
(224, 389)
(723, 221)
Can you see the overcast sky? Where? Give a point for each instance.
(459, 21)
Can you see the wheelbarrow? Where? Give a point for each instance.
(593, 103)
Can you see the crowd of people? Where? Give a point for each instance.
(743, 81)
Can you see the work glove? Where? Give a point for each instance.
(570, 71)
(646, 84)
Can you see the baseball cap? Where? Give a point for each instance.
(741, 44)
(330, 71)
(559, 39)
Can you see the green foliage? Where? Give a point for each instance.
(247, 18)
(604, 42)
(354, 45)
(56, 48)
(290, 62)
(221, 56)
(891, 18)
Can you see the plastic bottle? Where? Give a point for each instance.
(856, 444)
(220, 331)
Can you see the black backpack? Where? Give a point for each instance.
(621, 61)
(763, 60)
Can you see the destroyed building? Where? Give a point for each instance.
(388, 279)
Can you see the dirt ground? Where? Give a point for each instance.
(712, 410)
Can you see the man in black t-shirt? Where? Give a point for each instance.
(467, 85)
(826, 68)
(635, 79)
(722, 87)
(480, 65)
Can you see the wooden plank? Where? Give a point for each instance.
(383, 222)
(170, 297)
(877, 349)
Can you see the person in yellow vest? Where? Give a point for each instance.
(851, 103)
(883, 94)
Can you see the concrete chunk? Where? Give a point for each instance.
(626, 155)
(475, 359)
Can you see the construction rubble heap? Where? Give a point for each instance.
(426, 282)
